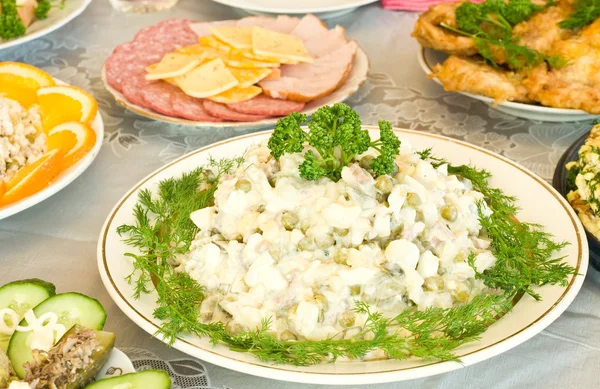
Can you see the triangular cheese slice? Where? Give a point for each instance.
(280, 46)
(238, 37)
(208, 79)
(173, 65)
(236, 95)
(248, 77)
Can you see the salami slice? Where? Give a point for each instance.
(133, 84)
(265, 105)
(114, 67)
(157, 96)
(190, 108)
(221, 111)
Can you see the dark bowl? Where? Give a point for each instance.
(559, 181)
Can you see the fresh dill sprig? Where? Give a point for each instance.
(586, 11)
(163, 230)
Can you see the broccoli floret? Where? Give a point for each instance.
(43, 7)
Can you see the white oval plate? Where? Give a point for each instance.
(64, 178)
(527, 318)
(428, 58)
(322, 8)
(356, 78)
(56, 19)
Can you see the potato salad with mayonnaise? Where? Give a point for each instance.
(301, 252)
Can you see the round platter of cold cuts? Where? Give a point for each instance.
(234, 73)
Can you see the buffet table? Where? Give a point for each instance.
(57, 239)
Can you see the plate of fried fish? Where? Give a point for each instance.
(534, 60)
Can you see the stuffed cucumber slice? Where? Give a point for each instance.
(148, 379)
(70, 309)
(73, 362)
(18, 297)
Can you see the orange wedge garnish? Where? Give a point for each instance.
(73, 139)
(61, 104)
(20, 82)
(32, 178)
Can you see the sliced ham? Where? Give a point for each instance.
(190, 108)
(309, 26)
(307, 82)
(325, 42)
(283, 23)
(265, 105)
(222, 111)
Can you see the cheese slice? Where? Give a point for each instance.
(248, 77)
(236, 95)
(238, 37)
(212, 41)
(173, 65)
(237, 60)
(250, 54)
(276, 45)
(208, 79)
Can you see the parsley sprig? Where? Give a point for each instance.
(336, 133)
(162, 231)
(491, 23)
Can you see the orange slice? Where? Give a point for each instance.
(20, 82)
(32, 178)
(62, 103)
(2, 189)
(73, 139)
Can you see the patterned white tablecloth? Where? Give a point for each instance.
(56, 240)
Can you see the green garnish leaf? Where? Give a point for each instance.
(586, 11)
(491, 23)
(11, 25)
(43, 8)
(336, 135)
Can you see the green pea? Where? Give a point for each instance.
(366, 161)
(384, 184)
(287, 336)
(341, 257)
(341, 231)
(434, 283)
(462, 297)
(355, 290)
(413, 200)
(449, 212)
(461, 257)
(347, 319)
(289, 220)
(305, 244)
(243, 185)
(325, 241)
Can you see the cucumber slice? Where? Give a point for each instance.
(71, 309)
(21, 296)
(148, 379)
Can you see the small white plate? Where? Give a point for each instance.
(64, 178)
(324, 9)
(527, 319)
(428, 58)
(118, 364)
(57, 18)
(357, 77)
